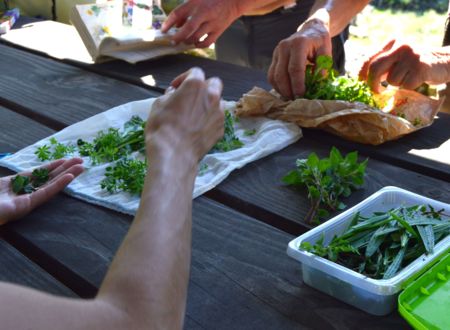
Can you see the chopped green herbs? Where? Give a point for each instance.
(125, 175)
(381, 245)
(327, 180)
(249, 132)
(322, 83)
(116, 146)
(27, 184)
(229, 141)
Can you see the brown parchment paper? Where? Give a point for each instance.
(404, 112)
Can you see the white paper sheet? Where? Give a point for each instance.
(270, 136)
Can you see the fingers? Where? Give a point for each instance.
(62, 167)
(188, 29)
(201, 31)
(281, 80)
(179, 79)
(364, 71)
(46, 192)
(176, 18)
(209, 40)
(379, 68)
(215, 87)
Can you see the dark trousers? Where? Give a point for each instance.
(251, 40)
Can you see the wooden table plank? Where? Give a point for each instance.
(16, 268)
(257, 189)
(56, 94)
(426, 151)
(12, 131)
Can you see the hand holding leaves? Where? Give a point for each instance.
(60, 174)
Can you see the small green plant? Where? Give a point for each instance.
(381, 245)
(27, 184)
(327, 181)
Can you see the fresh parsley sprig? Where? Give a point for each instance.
(322, 82)
(327, 181)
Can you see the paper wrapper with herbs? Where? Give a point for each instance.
(383, 117)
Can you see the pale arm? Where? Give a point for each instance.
(145, 287)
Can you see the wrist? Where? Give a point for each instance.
(319, 20)
(168, 161)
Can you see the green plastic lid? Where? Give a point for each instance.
(425, 303)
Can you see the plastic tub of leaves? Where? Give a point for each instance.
(382, 252)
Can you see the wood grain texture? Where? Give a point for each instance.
(426, 151)
(241, 277)
(16, 268)
(237, 80)
(17, 131)
(258, 187)
(49, 91)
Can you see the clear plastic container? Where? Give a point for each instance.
(378, 297)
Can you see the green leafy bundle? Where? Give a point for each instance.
(327, 180)
(322, 83)
(229, 141)
(126, 175)
(27, 184)
(114, 145)
(381, 245)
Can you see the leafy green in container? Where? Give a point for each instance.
(327, 181)
(381, 245)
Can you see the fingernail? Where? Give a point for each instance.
(215, 85)
(170, 89)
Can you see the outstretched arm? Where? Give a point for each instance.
(145, 287)
(313, 38)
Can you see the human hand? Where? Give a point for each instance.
(195, 18)
(292, 55)
(188, 120)
(404, 66)
(13, 206)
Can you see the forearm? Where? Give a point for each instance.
(150, 272)
(338, 12)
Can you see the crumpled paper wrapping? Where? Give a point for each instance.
(404, 112)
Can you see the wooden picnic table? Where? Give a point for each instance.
(241, 277)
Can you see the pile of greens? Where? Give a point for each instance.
(381, 245)
(321, 82)
(327, 180)
(117, 146)
(27, 184)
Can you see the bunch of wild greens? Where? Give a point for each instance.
(327, 180)
(322, 83)
(27, 184)
(114, 145)
(381, 245)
